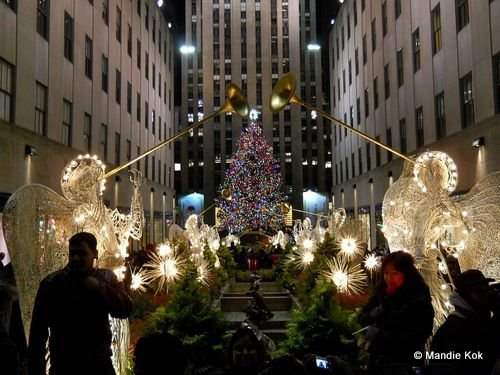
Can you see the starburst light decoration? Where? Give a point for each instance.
(163, 269)
(138, 280)
(371, 262)
(349, 247)
(348, 278)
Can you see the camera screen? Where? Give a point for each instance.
(322, 363)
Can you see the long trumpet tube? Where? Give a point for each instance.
(235, 102)
(309, 213)
(160, 145)
(296, 100)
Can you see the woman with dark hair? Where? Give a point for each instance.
(399, 317)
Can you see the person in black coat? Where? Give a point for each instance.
(399, 317)
(472, 331)
(74, 305)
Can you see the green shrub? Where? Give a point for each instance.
(192, 316)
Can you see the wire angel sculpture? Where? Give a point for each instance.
(38, 223)
(200, 235)
(421, 217)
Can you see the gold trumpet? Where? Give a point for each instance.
(235, 103)
(284, 94)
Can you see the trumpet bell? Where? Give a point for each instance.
(236, 101)
(283, 92)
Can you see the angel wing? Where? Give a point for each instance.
(37, 225)
(481, 211)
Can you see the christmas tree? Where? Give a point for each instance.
(250, 195)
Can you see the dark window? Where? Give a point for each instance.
(419, 126)
(437, 41)
(118, 25)
(462, 13)
(153, 77)
(384, 18)
(358, 111)
(103, 142)
(416, 50)
(11, 4)
(40, 108)
(377, 153)
(348, 26)
(68, 36)
(153, 121)
(118, 86)
(360, 161)
(388, 140)
(67, 123)
(356, 61)
(146, 67)
(350, 72)
(375, 92)
(368, 157)
(129, 97)
(146, 16)
(88, 56)
(104, 73)
(129, 150)
(129, 41)
(367, 104)
(440, 116)
(355, 12)
(467, 101)
(87, 132)
(146, 115)
(365, 57)
(374, 35)
(387, 82)
(138, 54)
(402, 135)
(138, 107)
(117, 148)
(42, 18)
(400, 62)
(139, 8)
(154, 30)
(397, 8)
(105, 11)
(496, 77)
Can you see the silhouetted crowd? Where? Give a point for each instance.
(72, 306)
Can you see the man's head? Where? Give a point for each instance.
(82, 252)
(474, 288)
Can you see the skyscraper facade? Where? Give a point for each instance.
(251, 43)
(416, 75)
(80, 77)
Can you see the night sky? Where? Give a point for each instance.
(174, 11)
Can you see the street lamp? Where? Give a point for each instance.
(187, 50)
(159, 3)
(313, 47)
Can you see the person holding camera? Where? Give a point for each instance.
(472, 331)
(398, 317)
(71, 311)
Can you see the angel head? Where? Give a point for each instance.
(83, 179)
(417, 209)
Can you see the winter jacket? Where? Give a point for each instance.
(471, 336)
(402, 322)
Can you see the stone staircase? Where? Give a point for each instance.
(234, 301)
